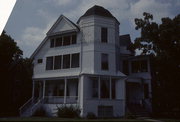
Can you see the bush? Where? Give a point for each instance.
(91, 115)
(68, 111)
(40, 112)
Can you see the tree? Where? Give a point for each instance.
(16, 74)
(162, 41)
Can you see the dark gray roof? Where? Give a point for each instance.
(98, 10)
(125, 40)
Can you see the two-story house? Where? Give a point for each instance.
(88, 65)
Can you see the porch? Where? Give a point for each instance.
(56, 91)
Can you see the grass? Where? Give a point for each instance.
(44, 119)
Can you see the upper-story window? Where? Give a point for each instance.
(104, 35)
(62, 61)
(104, 61)
(58, 42)
(139, 66)
(57, 62)
(52, 43)
(63, 40)
(66, 61)
(75, 60)
(125, 67)
(49, 63)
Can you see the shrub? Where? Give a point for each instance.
(68, 111)
(40, 112)
(91, 115)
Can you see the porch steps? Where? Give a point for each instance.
(138, 111)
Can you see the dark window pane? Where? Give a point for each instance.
(40, 61)
(113, 88)
(49, 63)
(144, 67)
(104, 62)
(75, 60)
(104, 33)
(73, 39)
(52, 43)
(66, 61)
(95, 86)
(105, 88)
(58, 42)
(135, 66)
(57, 62)
(146, 91)
(66, 40)
(58, 89)
(125, 67)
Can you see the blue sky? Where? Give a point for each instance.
(31, 19)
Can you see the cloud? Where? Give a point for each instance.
(124, 10)
(32, 37)
(158, 9)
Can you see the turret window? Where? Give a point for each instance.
(104, 35)
(104, 62)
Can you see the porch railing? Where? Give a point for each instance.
(27, 105)
(60, 100)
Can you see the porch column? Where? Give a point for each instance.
(44, 83)
(33, 89)
(65, 90)
(110, 89)
(99, 88)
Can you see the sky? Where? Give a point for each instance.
(30, 20)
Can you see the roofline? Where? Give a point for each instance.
(97, 16)
(76, 29)
(37, 49)
(56, 22)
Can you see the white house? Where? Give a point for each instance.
(89, 65)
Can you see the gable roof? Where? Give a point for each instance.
(98, 10)
(74, 28)
(60, 27)
(125, 40)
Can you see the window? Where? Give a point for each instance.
(95, 86)
(57, 62)
(104, 62)
(104, 33)
(39, 61)
(66, 61)
(73, 39)
(75, 60)
(105, 111)
(49, 63)
(144, 66)
(146, 91)
(139, 66)
(113, 88)
(125, 67)
(105, 88)
(52, 43)
(58, 89)
(58, 42)
(66, 40)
